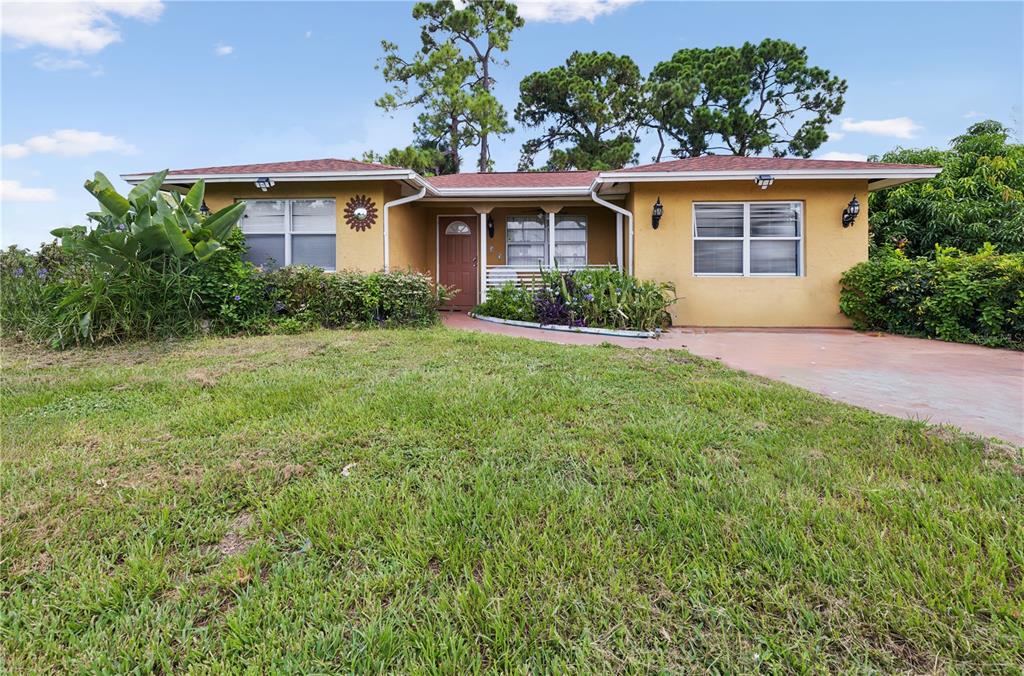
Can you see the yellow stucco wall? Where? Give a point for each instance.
(409, 237)
(355, 250)
(812, 300)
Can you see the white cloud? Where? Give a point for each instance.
(971, 114)
(84, 27)
(566, 11)
(223, 50)
(68, 143)
(55, 63)
(836, 155)
(835, 135)
(14, 191)
(309, 34)
(899, 127)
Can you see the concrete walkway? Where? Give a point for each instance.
(978, 389)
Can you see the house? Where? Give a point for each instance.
(747, 241)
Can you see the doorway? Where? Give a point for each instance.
(458, 253)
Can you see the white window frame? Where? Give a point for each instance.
(288, 226)
(548, 246)
(746, 238)
(586, 237)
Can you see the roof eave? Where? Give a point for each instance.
(879, 178)
(386, 174)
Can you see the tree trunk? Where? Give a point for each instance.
(485, 150)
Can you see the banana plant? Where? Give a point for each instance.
(149, 224)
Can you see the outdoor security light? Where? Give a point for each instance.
(490, 227)
(764, 180)
(264, 184)
(850, 212)
(656, 214)
(204, 210)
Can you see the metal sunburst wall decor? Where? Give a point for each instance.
(360, 212)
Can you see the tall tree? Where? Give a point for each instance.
(452, 72)
(591, 108)
(743, 100)
(978, 197)
(425, 158)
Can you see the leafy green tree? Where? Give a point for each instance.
(591, 107)
(978, 197)
(742, 100)
(450, 76)
(425, 159)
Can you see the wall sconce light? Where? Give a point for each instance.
(850, 212)
(656, 214)
(264, 184)
(764, 180)
(204, 210)
(490, 227)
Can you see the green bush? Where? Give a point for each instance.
(509, 301)
(595, 297)
(965, 298)
(396, 298)
(24, 280)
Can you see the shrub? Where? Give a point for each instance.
(595, 297)
(396, 298)
(509, 301)
(24, 281)
(966, 298)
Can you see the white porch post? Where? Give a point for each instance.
(482, 234)
(551, 239)
(618, 241)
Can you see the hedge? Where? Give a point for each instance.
(958, 297)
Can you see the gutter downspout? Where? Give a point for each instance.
(387, 231)
(629, 218)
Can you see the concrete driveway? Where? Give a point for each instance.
(978, 389)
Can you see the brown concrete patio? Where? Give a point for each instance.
(978, 389)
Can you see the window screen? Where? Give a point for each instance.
(571, 241)
(526, 241)
(748, 238)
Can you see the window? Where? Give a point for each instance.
(291, 232)
(748, 238)
(526, 241)
(571, 241)
(457, 228)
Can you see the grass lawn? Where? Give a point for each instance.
(436, 500)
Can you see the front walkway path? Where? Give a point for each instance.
(978, 389)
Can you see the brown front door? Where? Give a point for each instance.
(459, 251)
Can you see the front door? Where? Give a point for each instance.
(459, 250)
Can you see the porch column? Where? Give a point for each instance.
(482, 254)
(618, 241)
(551, 210)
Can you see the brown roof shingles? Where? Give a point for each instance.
(303, 166)
(736, 163)
(512, 179)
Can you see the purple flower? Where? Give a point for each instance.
(18, 272)
(237, 297)
(589, 296)
(42, 273)
(120, 227)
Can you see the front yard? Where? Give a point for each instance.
(404, 500)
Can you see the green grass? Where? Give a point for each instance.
(442, 501)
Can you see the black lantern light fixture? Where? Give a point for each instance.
(656, 214)
(204, 210)
(264, 184)
(490, 227)
(850, 212)
(764, 180)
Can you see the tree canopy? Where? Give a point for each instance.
(978, 197)
(450, 75)
(591, 108)
(424, 158)
(743, 100)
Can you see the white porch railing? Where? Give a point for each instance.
(530, 278)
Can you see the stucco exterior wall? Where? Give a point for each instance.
(355, 250)
(811, 300)
(409, 235)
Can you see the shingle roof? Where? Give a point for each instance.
(512, 179)
(734, 163)
(303, 166)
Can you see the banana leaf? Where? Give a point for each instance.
(109, 198)
(145, 191)
(220, 223)
(205, 249)
(194, 198)
(180, 246)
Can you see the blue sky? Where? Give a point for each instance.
(123, 87)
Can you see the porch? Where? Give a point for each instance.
(479, 247)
